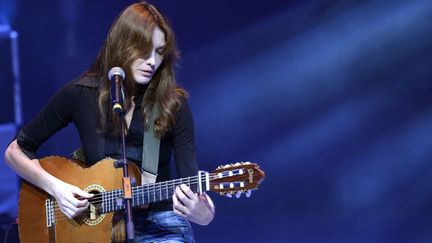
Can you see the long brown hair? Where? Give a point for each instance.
(130, 38)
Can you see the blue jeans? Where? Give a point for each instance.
(165, 226)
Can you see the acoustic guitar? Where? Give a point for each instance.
(40, 219)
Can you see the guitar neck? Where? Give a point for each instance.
(153, 192)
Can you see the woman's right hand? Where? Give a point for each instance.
(31, 170)
(71, 199)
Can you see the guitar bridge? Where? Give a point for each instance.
(49, 211)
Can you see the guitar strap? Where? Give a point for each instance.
(150, 155)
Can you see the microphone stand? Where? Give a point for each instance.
(127, 187)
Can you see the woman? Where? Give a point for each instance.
(143, 44)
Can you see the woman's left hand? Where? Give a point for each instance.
(196, 208)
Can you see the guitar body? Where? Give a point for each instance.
(32, 215)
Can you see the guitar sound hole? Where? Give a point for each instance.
(94, 214)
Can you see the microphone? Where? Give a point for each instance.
(116, 75)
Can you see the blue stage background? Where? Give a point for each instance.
(331, 98)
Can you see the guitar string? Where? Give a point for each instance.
(111, 197)
(61, 216)
(143, 189)
(156, 186)
(138, 191)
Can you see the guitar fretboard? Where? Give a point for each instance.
(149, 193)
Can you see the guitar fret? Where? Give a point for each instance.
(143, 195)
(190, 184)
(166, 193)
(160, 192)
(120, 195)
(135, 199)
(145, 200)
(107, 198)
(155, 188)
(137, 195)
(113, 200)
(115, 196)
(111, 206)
(107, 202)
(110, 201)
(154, 193)
(148, 195)
(166, 190)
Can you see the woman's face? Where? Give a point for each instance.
(143, 69)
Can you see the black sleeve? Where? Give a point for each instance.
(56, 114)
(184, 142)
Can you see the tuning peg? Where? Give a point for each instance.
(228, 195)
(248, 193)
(238, 194)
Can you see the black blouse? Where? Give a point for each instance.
(76, 102)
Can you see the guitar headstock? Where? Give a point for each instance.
(236, 178)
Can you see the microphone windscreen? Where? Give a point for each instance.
(116, 71)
